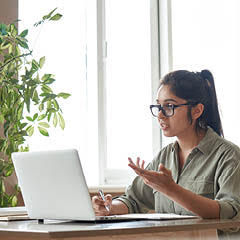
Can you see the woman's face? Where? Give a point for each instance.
(177, 125)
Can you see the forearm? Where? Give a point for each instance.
(199, 205)
(118, 207)
(163, 182)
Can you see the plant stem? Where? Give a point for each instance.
(11, 60)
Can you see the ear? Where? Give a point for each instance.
(197, 111)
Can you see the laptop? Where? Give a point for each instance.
(53, 186)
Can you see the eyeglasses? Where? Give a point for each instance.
(167, 110)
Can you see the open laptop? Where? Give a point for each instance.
(54, 187)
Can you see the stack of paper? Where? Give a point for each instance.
(13, 213)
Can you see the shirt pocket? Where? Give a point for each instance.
(201, 187)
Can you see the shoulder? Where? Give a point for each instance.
(226, 146)
(228, 164)
(229, 150)
(212, 142)
(228, 153)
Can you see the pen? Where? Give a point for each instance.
(103, 198)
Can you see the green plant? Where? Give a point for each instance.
(27, 101)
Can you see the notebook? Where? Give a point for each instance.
(13, 213)
(54, 187)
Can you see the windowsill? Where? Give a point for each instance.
(108, 189)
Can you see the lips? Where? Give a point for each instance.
(164, 126)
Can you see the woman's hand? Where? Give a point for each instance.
(99, 205)
(160, 181)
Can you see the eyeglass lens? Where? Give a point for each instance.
(166, 110)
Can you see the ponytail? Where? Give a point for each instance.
(211, 114)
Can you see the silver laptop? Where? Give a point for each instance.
(53, 185)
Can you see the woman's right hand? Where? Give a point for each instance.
(99, 205)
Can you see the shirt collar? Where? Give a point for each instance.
(205, 145)
(175, 146)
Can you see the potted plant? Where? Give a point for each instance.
(27, 101)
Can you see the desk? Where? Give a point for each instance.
(133, 230)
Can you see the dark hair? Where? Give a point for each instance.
(197, 87)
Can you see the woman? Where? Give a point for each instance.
(199, 174)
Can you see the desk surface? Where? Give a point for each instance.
(57, 229)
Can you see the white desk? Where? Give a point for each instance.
(171, 229)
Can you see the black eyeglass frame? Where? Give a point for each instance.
(173, 106)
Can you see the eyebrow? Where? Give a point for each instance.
(167, 100)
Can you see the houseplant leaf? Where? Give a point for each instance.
(24, 33)
(43, 131)
(42, 61)
(14, 201)
(44, 124)
(61, 121)
(30, 130)
(56, 17)
(64, 95)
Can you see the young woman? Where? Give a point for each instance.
(199, 174)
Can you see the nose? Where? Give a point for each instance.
(161, 115)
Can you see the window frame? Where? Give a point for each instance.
(161, 62)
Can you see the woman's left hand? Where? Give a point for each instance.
(160, 181)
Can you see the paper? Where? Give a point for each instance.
(14, 218)
(13, 211)
(154, 216)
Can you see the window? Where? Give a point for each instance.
(107, 69)
(206, 36)
(110, 55)
(64, 45)
(127, 61)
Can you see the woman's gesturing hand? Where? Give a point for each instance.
(160, 181)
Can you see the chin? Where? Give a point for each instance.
(168, 134)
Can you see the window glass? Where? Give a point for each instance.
(64, 43)
(206, 36)
(70, 47)
(128, 82)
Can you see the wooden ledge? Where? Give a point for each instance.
(113, 190)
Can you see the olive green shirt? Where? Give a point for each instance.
(211, 170)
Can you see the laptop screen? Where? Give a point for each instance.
(53, 185)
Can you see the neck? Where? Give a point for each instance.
(190, 141)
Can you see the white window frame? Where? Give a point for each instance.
(101, 63)
(165, 44)
(161, 62)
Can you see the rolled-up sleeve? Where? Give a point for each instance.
(228, 179)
